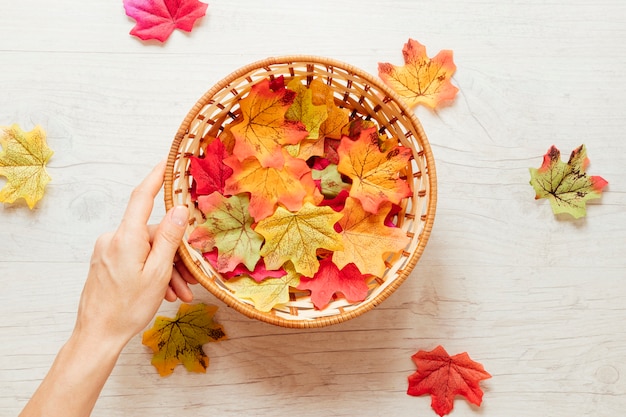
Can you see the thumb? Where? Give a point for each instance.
(167, 238)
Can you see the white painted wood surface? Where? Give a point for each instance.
(539, 300)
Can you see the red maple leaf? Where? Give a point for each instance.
(210, 173)
(157, 19)
(329, 279)
(444, 377)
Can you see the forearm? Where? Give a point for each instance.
(75, 379)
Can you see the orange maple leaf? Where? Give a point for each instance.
(366, 239)
(421, 80)
(289, 184)
(180, 340)
(264, 129)
(375, 174)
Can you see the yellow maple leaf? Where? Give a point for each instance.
(180, 340)
(296, 237)
(304, 110)
(268, 293)
(23, 159)
(337, 117)
(421, 80)
(366, 239)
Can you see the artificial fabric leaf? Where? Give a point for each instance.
(303, 110)
(157, 19)
(566, 185)
(296, 237)
(375, 174)
(228, 227)
(210, 172)
(288, 184)
(329, 280)
(444, 377)
(306, 148)
(263, 129)
(259, 273)
(180, 340)
(23, 162)
(367, 241)
(330, 181)
(266, 294)
(421, 80)
(337, 204)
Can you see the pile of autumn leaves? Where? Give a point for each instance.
(298, 196)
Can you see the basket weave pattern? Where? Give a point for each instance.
(364, 96)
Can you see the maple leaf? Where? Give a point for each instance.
(266, 294)
(303, 110)
(329, 279)
(23, 160)
(421, 80)
(375, 174)
(337, 204)
(228, 227)
(444, 377)
(566, 185)
(259, 273)
(210, 172)
(329, 181)
(367, 241)
(180, 340)
(157, 19)
(288, 184)
(296, 237)
(263, 129)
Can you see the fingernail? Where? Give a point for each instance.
(180, 215)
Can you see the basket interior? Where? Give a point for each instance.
(365, 97)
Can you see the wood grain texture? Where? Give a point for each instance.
(539, 300)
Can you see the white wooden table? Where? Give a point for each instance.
(539, 300)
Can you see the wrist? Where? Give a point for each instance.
(100, 344)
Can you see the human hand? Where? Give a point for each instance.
(131, 268)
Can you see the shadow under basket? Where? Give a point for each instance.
(365, 97)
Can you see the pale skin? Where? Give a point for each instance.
(130, 274)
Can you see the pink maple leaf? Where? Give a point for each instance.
(259, 274)
(157, 19)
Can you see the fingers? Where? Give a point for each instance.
(180, 287)
(142, 198)
(184, 272)
(166, 240)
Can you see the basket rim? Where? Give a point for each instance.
(230, 299)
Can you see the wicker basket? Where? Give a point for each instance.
(364, 96)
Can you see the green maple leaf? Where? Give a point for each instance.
(229, 228)
(566, 185)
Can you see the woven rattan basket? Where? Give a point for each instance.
(364, 96)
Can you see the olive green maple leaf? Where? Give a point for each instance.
(180, 340)
(566, 185)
